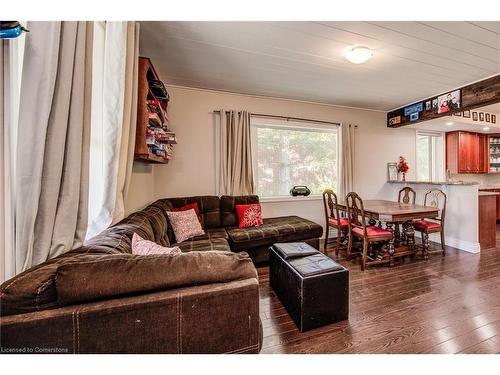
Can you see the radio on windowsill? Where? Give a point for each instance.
(302, 191)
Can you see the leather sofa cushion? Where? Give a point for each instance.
(278, 229)
(209, 207)
(211, 234)
(35, 289)
(157, 220)
(217, 244)
(120, 275)
(229, 218)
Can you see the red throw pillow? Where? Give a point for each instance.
(190, 206)
(249, 215)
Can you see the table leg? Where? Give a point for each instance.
(397, 235)
(409, 234)
(425, 241)
(391, 249)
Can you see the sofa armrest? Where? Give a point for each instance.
(212, 318)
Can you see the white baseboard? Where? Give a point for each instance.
(468, 246)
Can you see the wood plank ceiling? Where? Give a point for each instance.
(305, 61)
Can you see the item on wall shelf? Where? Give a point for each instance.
(158, 89)
(395, 120)
(11, 29)
(428, 105)
(481, 116)
(449, 101)
(300, 190)
(493, 119)
(392, 171)
(466, 114)
(474, 116)
(403, 167)
(487, 117)
(434, 104)
(457, 114)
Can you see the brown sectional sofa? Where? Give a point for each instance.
(102, 299)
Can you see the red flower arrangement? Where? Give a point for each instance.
(403, 167)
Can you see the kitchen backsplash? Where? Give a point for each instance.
(490, 180)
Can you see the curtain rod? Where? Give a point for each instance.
(290, 118)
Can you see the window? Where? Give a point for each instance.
(289, 153)
(430, 156)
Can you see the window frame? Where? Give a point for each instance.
(267, 122)
(436, 174)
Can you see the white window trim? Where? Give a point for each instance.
(442, 173)
(267, 122)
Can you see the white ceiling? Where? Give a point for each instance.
(304, 60)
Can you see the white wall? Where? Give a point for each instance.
(192, 170)
(461, 216)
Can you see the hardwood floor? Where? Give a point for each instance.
(447, 304)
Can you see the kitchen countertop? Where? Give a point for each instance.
(454, 183)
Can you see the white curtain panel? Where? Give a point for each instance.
(347, 163)
(114, 117)
(11, 60)
(53, 147)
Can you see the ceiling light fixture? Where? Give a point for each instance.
(358, 55)
(486, 128)
(450, 123)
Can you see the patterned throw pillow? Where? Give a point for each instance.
(190, 206)
(185, 224)
(249, 215)
(140, 246)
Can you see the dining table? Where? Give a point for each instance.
(394, 215)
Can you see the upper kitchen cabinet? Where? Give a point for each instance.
(466, 152)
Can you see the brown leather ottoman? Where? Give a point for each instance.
(313, 288)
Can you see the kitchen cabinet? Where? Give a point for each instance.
(497, 200)
(487, 219)
(466, 152)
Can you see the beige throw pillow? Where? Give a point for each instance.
(185, 224)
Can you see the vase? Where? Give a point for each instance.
(404, 176)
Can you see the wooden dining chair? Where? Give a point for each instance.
(433, 198)
(369, 234)
(407, 195)
(333, 219)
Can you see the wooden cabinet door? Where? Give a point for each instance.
(452, 152)
(483, 153)
(498, 205)
(474, 152)
(463, 152)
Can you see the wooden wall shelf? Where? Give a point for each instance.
(152, 119)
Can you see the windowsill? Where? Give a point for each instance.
(290, 199)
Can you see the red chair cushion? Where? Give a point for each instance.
(372, 231)
(344, 223)
(424, 225)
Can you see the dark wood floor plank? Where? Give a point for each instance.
(446, 304)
